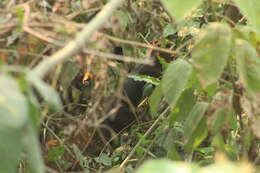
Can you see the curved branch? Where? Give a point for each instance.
(74, 46)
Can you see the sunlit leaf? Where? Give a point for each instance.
(166, 166)
(179, 9)
(211, 53)
(251, 9)
(222, 165)
(225, 166)
(248, 33)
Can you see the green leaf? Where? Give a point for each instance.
(104, 159)
(248, 65)
(251, 9)
(163, 62)
(34, 108)
(31, 146)
(13, 124)
(155, 100)
(145, 78)
(175, 79)
(13, 104)
(211, 53)
(195, 128)
(170, 147)
(179, 8)
(218, 142)
(68, 73)
(248, 33)
(166, 166)
(184, 104)
(147, 90)
(55, 153)
(197, 137)
(10, 148)
(48, 93)
(20, 15)
(222, 165)
(219, 119)
(33, 104)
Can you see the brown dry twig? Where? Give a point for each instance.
(74, 46)
(26, 28)
(149, 46)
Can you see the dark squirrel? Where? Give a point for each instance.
(133, 90)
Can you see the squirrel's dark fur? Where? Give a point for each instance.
(133, 90)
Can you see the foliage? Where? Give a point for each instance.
(205, 101)
(168, 166)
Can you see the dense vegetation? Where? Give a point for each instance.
(129, 86)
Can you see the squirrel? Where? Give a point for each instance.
(133, 90)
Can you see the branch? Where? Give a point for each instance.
(74, 46)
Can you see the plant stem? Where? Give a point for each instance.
(144, 136)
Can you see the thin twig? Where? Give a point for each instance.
(144, 136)
(26, 28)
(77, 13)
(149, 46)
(74, 46)
(118, 57)
(227, 19)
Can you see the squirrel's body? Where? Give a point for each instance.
(133, 90)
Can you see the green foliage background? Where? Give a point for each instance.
(204, 105)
